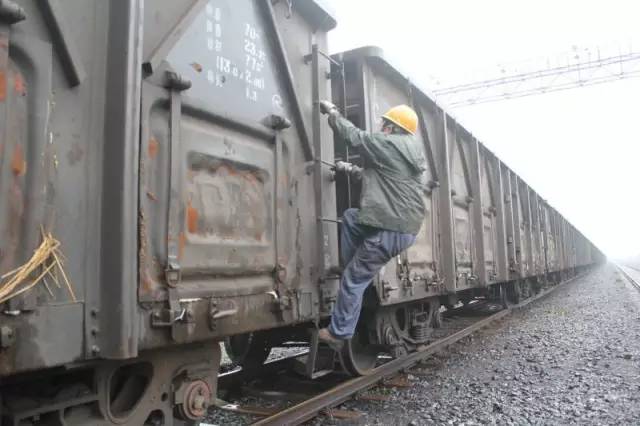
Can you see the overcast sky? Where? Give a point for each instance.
(579, 149)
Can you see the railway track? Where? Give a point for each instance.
(633, 277)
(335, 390)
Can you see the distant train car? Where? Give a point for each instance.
(486, 232)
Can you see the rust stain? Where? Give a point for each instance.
(18, 163)
(192, 219)
(3, 86)
(152, 196)
(146, 282)
(238, 203)
(75, 153)
(196, 66)
(154, 147)
(19, 85)
(182, 242)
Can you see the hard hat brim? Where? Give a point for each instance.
(388, 118)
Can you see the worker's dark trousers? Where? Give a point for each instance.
(364, 251)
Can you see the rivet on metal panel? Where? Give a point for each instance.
(95, 349)
(94, 312)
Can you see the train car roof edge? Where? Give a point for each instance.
(318, 12)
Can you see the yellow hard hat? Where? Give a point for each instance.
(404, 117)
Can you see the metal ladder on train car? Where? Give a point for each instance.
(321, 359)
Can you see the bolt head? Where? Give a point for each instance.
(199, 403)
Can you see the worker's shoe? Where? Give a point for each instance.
(326, 337)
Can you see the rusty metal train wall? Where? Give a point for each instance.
(176, 151)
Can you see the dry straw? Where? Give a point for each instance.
(45, 262)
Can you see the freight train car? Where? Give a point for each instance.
(166, 184)
(162, 151)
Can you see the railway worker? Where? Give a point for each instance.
(391, 208)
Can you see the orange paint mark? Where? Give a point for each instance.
(154, 147)
(3, 86)
(192, 219)
(18, 163)
(19, 85)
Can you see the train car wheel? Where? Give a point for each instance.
(514, 293)
(249, 350)
(360, 353)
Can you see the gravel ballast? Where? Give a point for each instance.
(570, 358)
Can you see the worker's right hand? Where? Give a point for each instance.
(343, 167)
(327, 107)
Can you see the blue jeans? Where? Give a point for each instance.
(364, 251)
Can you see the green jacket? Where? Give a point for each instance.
(391, 180)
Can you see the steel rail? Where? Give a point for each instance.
(633, 282)
(313, 406)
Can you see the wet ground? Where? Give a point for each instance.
(570, 358)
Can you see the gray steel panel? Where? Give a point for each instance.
(502, 211)
(245, 196)
(120, 190)
(476, 167)
(81, 154)
(490, 221)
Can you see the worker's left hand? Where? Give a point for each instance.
(327, 107)
(343, 166)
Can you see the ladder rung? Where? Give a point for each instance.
(328, 219)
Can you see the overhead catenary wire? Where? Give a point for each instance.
(573, 73)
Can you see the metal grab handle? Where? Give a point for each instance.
(180, 316)
(223, 314)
